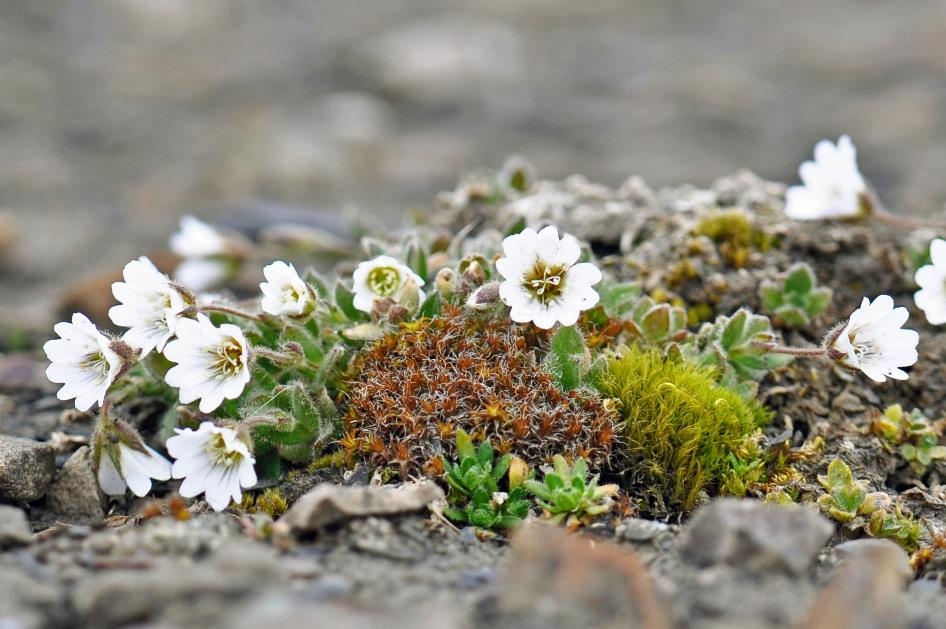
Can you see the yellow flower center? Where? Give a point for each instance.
(384, 280)
(97, 363)
(228, 358)
(545, 282)
(219, 453)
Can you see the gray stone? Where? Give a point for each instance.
(640, 530)
(26, 600)
(554, 579)
(74, 495)
(14, 527)
(755, 536)
(26, 469)
(866, 590)
(330, 504)
(882, 553)
(170, 590)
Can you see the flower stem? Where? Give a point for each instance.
(908, 222)
(772, 348)
(231, 311)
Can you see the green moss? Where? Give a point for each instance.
(735, 234)
(684, 433)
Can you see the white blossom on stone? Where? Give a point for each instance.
(83, 360)
(213, 364)
(832, 184)
(931, 278)
(543, 282)
(380, 278)
(284, 292)
(873, 341)
(213, 461)
(150, 306)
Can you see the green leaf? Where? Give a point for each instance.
(566, 357)
(485, 453)
(464, 445)
(656, 323)
(792, 316)
(734, 330)
(515, 227)
(771, 295)
(618, 298)
(818, 301)
(800, 278)
(431, 306)
(538, 489)
(345, 300)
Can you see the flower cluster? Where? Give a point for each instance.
(496, 335)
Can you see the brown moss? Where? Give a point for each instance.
(407, 396)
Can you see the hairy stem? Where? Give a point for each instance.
(231, 311)
(772, 348)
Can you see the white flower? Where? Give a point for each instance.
(83, 360)
(137, 470)
(873, 341)
(150, 305)
(197, 239)
(284, 292)
(833, 185)
(213, 461)
(931, 278)
(383, 277)
(206, 254)
(542, 283)
(212, 363)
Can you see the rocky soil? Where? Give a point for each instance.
(349, 553)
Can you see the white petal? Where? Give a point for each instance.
(110, 480)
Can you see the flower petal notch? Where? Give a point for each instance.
(832, 185)
(214, 461)
(873, 341)
(543, 281)
(931, 278)
(212, 363)
(83, 360)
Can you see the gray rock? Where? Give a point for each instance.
(26, 469)
(14, 527)
(882, 553)
(755, 536)
(640, 530)
(554, 579)
(168, 592)
(74, 495)
(27, 601)
(866, 591)
(330, 504)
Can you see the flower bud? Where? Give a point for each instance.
(446, 282)
(473, 272)
(483, 297)
(409, 295)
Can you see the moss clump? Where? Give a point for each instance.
(407, 396)
(271, 502)
(684, 433)
(734, 233)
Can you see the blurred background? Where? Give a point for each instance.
(118, 116)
